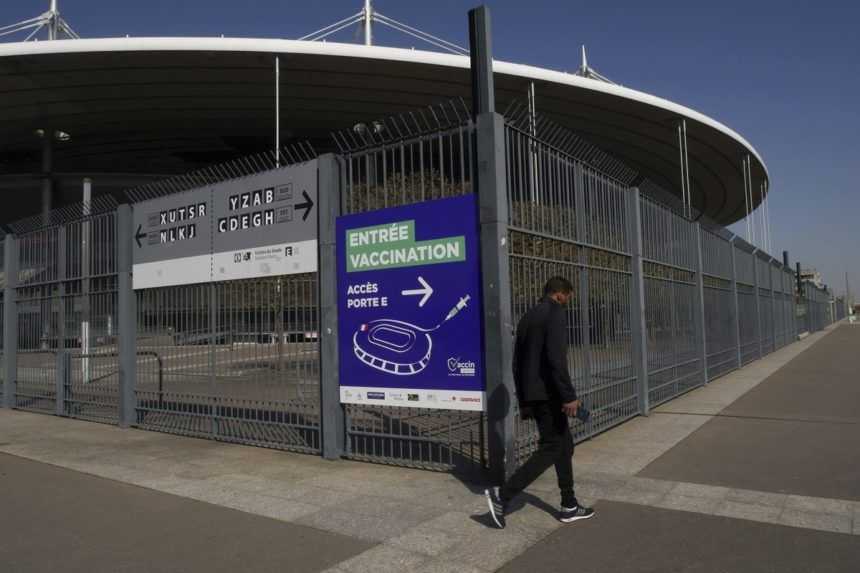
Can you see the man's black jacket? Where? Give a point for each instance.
(540, 355)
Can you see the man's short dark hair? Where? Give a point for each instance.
(557, 284)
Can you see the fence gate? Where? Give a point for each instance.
(415, 158)
(227, 303)
(66, 312)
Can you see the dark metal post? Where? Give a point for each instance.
(699, 316)
(126, 318)
(772, 304)
(64, 371)
(332, 424)
(481, 56)
(10, 320)
(757, 301)
(638, 325)
(495, 272)
(63, 359)
(736, 315)
(800, 298)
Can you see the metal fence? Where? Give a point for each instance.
(661, 305)
(711, 301)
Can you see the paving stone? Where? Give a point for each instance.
(365, 527)
(383, 559)
(457, 523)
(489, 549)
(820, 521)
(424, 540)
(632, 494)
(388, 508)
(653, 485)
(757, 497)
(820, 505)
(700, 490)
(857, 518)
(704, 505)
(446, 566)
(272, 507)
(751, 512)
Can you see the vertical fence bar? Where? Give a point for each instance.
(10, 320)
(699, 311)
(582, 224)
(126, 326)
(331, 412)
(638, 326)
(736, 315)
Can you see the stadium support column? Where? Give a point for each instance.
(126, 317)
(638, 324)
(332, 429)
(10, 320)
(47, 181)
(493, 220)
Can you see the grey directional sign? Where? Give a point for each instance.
(173, 240)
(261, 225)
(265, 224)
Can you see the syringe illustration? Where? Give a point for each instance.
(398, 347)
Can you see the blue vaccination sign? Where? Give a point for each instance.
(409, 306)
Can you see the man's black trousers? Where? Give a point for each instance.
(555, 447)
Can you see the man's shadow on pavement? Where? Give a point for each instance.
(516, 505)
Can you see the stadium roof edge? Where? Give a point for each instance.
(277, 46)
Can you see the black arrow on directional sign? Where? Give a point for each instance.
(307, 205)
(138, 236)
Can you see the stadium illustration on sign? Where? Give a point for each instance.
(398, 347)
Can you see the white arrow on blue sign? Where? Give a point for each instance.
(427, 291)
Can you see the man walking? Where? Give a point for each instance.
(546, 394)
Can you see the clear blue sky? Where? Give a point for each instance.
(784, 74)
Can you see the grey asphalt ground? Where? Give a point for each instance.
(54, 519)
(797, 432)
(627, 538)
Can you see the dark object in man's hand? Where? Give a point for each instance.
(583, 414)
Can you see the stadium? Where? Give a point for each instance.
(87, 125)
(134, 110)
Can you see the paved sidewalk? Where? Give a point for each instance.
(767, 481)
(60, 520)
(412, 520)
